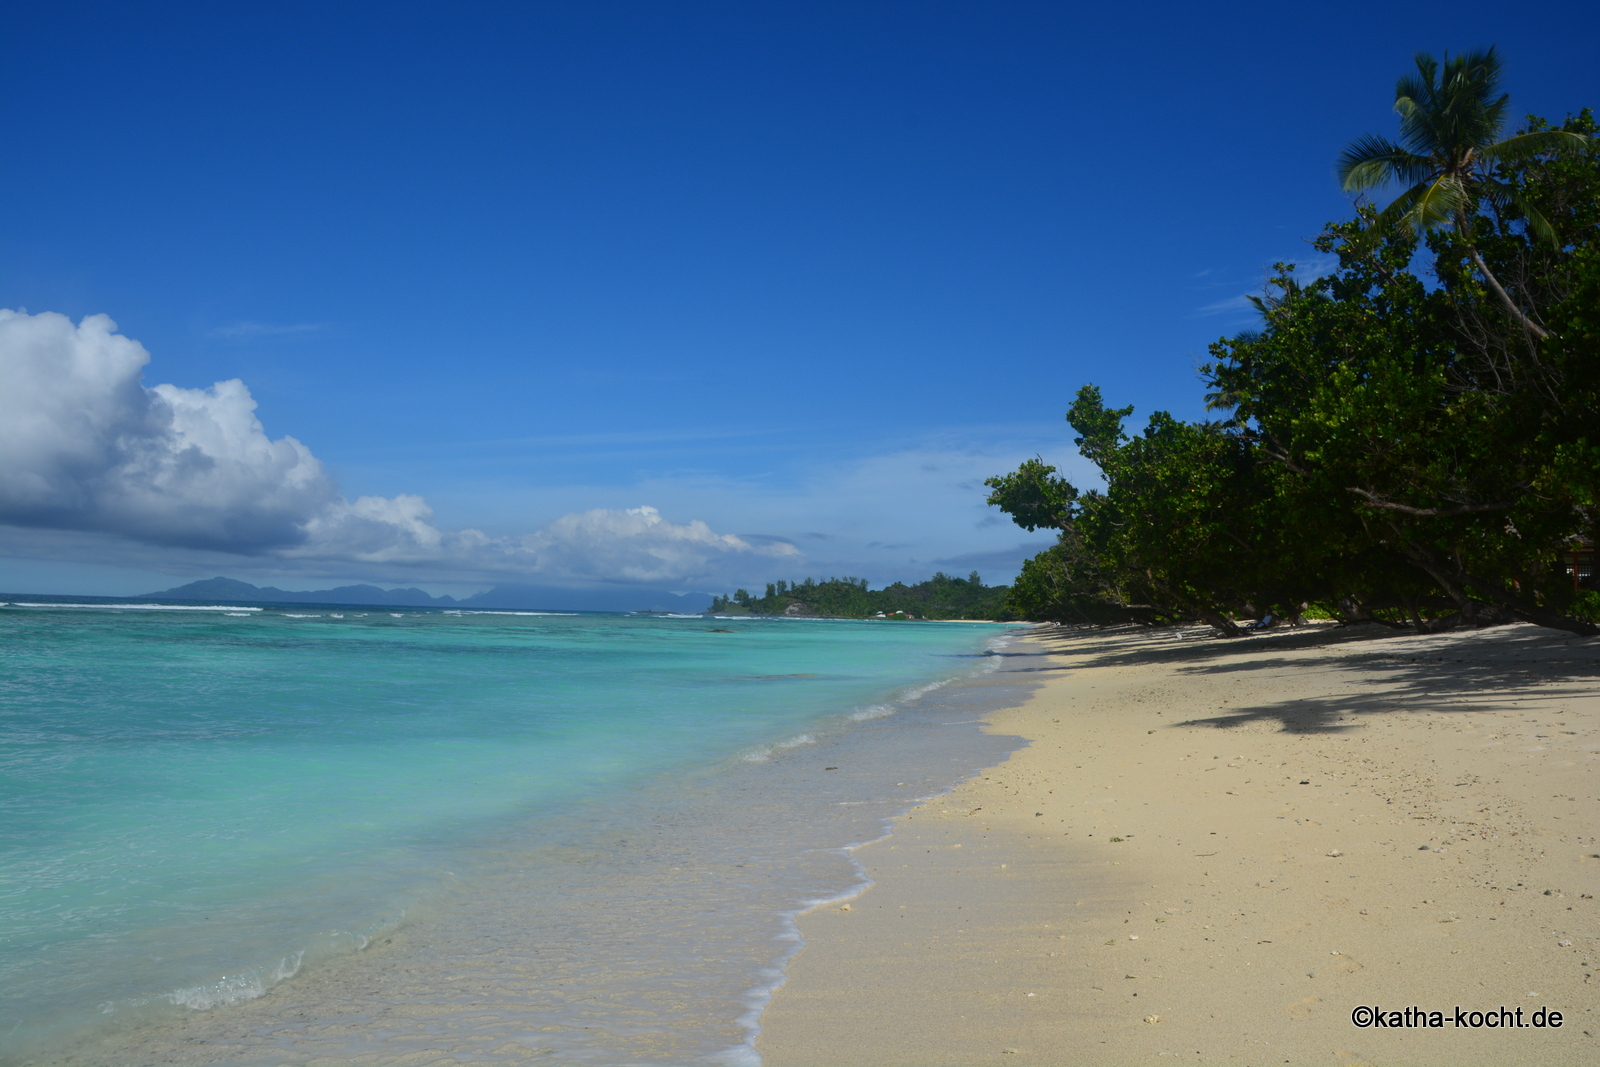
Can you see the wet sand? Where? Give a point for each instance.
(1215, 851)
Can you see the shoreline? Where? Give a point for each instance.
(1216, 850)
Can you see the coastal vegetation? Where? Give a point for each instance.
(940, 597)
(1412, 439)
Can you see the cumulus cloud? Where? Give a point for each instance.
(635, 545)
(891, 515)
(86, 446)
(639, 545)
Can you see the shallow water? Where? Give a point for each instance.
(480, 836)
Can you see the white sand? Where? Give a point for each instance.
(1311, 821)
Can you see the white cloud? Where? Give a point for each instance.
(1232, 304)
(634, 545)
(85, 446)
(241, 331)
(889, 516)
(893, 514)
(639, 545)
(1307, 269)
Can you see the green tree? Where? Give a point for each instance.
(1451, 120)
(1417, 452)
(1034, 496)
(941, 597)
(1182, 530)
(1445, 468)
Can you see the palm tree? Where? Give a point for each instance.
(1449, 126)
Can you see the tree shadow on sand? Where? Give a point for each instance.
(1381, 671)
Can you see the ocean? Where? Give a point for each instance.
(286, 835)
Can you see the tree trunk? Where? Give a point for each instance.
(1494, 283)
(1220, 622)
(1521, 608)
(1517, 607)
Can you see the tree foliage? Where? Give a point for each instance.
(941, 597)
(1392, 446)
(1450, 124)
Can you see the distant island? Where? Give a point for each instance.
(502, 597)
(228, 590)
(940, 597)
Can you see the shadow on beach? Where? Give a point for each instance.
(1371, 670)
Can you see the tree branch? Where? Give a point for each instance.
(1373, 500)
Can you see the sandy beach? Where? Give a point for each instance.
(1216, 851)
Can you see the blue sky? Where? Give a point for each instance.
(801, 274)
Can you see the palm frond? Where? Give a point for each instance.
(1371, 161)
(1438, 203)
(1525, 145)
(1447, 113)
(1538, 225)
(1418, 87)
(1415, 128)
(1423, 206)
(1416, 101)
(1399, 208)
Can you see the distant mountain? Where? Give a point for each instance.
(505, 597)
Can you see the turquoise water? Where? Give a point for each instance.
(196, 805)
